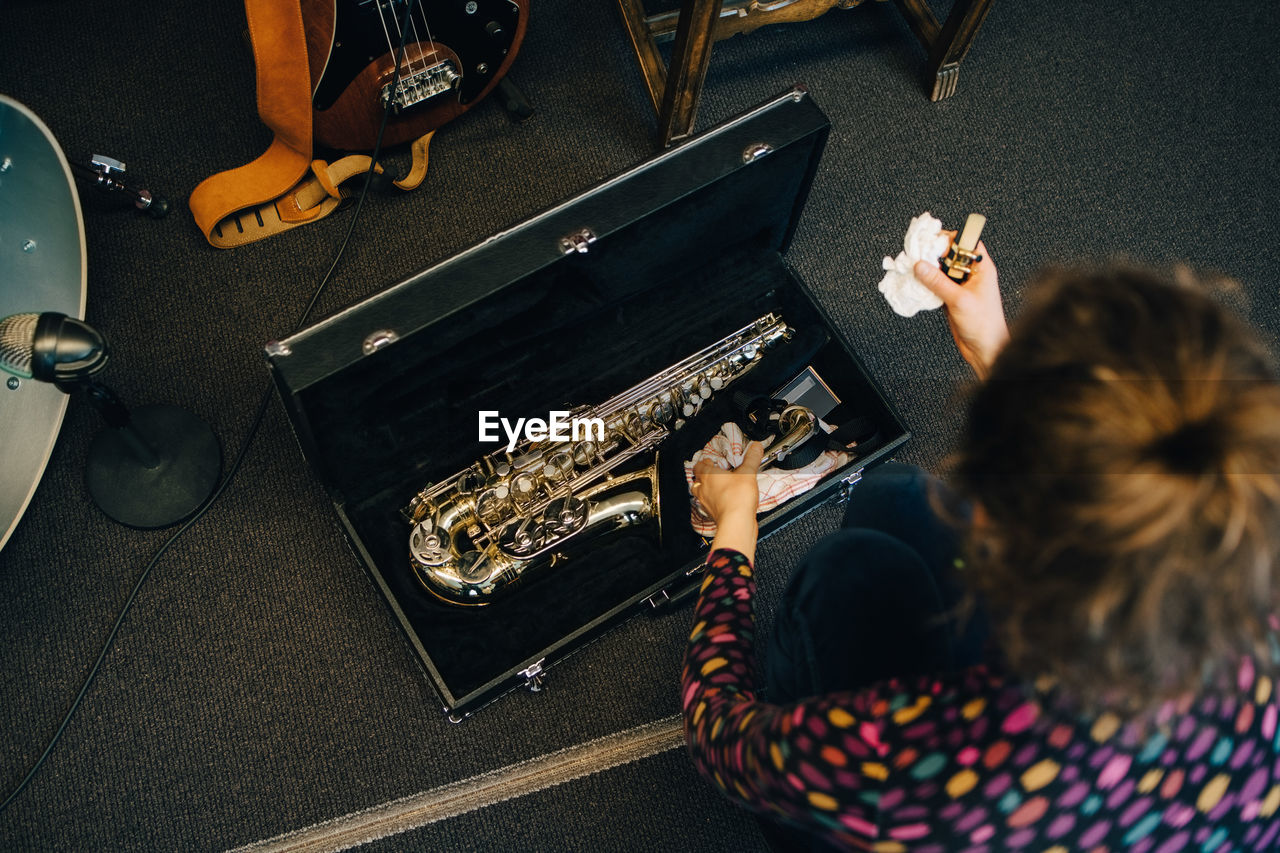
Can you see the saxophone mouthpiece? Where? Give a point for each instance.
(959, 260)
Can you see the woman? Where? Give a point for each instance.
(1115, 525)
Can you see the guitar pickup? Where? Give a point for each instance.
(420, 86)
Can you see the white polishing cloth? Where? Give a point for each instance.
(924, 242)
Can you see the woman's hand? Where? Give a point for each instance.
(973, 308)
(731, 499)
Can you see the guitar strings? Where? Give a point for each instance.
(385, 31)
(426, 24)
(397, 58)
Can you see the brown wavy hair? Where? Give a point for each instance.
(1125, 453)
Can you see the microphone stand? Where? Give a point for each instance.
(149, 468)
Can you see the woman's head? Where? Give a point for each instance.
(1125, 452)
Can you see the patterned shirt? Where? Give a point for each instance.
(975, 761)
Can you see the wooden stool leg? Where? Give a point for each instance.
(952, 44)
(651, 63)
(690, 56)
(946, 43)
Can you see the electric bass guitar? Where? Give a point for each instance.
(455, 52)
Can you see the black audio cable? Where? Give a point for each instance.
(254, 426)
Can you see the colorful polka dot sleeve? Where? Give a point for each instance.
(975, 761)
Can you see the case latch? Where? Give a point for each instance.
(701, 567)
(658, 599)
(847, 484)
(755, 151)
(579, 241)
(533, 676)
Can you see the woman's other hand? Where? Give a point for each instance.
(731, 499)
(974, 310)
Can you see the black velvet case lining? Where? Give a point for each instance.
(474, 650)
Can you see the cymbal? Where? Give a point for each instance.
(42, 268)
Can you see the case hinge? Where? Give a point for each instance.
(533, 676)
(755, 151)
(378, 340)
(579, 241)
(847, 484)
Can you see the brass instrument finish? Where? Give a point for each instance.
(480, 530)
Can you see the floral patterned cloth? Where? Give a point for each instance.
(975, 761)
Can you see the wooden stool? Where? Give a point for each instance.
(700, 23)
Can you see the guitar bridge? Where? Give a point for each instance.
(420, 85)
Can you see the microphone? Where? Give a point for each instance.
(50, 347)
(148, 469)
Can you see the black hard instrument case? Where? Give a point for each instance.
(569, 308)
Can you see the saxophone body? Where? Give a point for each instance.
(476, 533)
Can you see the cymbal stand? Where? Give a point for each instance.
(105, 173)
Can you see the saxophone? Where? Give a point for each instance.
(480, 530)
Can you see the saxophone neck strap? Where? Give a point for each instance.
(284, 187)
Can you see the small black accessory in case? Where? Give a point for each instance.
(758, 415)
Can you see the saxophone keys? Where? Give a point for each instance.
(662, 412)
(558, 468)
(566, 516)
(584, 453)
(522, 538)
(473, 568)
(524, 488)
(493, 503)
(470, 482)
(633, 426)
(429, 544)
(693, 397)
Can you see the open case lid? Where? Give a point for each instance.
(349, 381)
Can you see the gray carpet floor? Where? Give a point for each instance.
(258, 685)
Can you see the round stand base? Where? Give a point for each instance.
(188, 463)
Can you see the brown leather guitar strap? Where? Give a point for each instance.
(284, 187)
